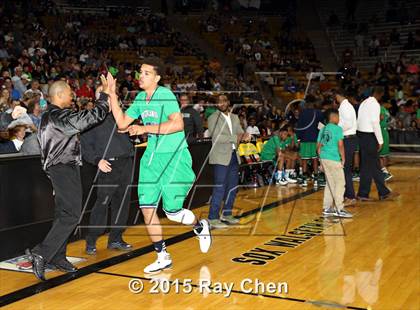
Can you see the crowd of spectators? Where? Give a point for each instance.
(77, 49)
(257, 45)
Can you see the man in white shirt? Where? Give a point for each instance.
(348, 122)
(370, 141)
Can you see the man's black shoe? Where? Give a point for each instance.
(38, 264)
(63, 265)
(389, 196)
(120, 245)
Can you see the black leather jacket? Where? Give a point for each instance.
(59, 131)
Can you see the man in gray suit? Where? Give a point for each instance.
(226, 133)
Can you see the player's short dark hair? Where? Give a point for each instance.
(156, 63)
(284, 128)
(330, 112)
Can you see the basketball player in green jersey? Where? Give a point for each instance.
(166, 166)
(384, 152)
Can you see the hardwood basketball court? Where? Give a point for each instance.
(368, 262)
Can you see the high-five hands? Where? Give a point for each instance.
(104, 86)
(111, 83)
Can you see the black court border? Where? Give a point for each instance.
(112, 261)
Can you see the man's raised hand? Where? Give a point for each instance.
(105, 86)
(111, 83)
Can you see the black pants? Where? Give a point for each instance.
(114, 191)
(370, 167)
(66, 182)
(350, 145)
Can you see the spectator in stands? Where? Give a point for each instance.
(5, 99)
(35, 89)
(34, 112)
(414, 125)
(87, 90)
(15, 142)
(359, 43)
(266, 128)
(252, 128)
(373, 46)
(14, 94)
(291, 85)
(403, 118)
(399, 93)
(413, 67)
(242, 121)
(17, 81)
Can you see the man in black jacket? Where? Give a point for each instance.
(61, 160)
(193, 125)
(112, 153)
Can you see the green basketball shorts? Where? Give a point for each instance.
(165, 175)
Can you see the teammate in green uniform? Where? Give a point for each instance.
(280, 149)
(166, 166)
(384, 153)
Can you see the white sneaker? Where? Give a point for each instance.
(229, 219)
(217, 224)
(163, 261)
(344, 213)
(204, 236)
(291, 180)
(282, 181)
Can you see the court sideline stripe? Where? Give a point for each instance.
(87, 270)
(233, 291)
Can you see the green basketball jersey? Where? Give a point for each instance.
(162, 104)
(384, 121)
